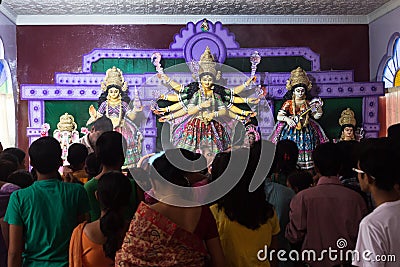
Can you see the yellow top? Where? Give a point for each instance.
(241, 244)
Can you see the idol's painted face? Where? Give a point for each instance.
(348, 133)
(207, 81)
(113, 93)
(299, 92)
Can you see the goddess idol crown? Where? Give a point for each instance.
(347, 118)
(297, 77)
(208, 65)
(114, 77)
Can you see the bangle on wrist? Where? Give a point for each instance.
(216, 114)
(171, 116)
(246, 100)
(199, 107)
(243, 112)
(168, 109)
(237, 117)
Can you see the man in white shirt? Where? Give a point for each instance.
(378, 242)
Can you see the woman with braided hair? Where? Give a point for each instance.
(95, 243)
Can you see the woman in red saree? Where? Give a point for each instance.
(170, 235)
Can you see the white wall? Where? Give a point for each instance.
(380, 32)
(9, 38)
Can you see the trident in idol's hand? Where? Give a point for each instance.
(255, 59)
(156, 60)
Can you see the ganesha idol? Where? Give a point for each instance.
(66, 134)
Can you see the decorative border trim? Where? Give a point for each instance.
(335, 90)
(389, 54)
(8, 13)
(183, 19)
(383, 10)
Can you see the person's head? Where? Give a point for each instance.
(166, 164)
(45, 155)
(109, 149)
(92, 165)
(393, 132)
(347, 132)
(113, 193)
(286, 156)
(377, 165)
(114, 92)
(197, 167)
(299, 180)
(101, 125)
(255, 210)
(326, 158)
(207, 80)
(219, 164)
(299, 91)
(6, 168)
(77, 154)
(348, 158)
(10, 157)
(19, 153)
(22, 178)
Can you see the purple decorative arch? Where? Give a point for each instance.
(187, 43)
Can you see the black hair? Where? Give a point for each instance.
(255, 210)
(348, 158)
(109, 148)
(19, 153)
(113, 192)
(6, 168)
(378, 157)
(286, 157)
(162, 166)
(45, 155)
(199, 162)
(124, 94)
(77, 154)
(300, 179)
(103, 124)
(22, 178)
(92, 165)
(289, 94)
(10, 157)
(326, 158)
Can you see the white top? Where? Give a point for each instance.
(378, 242)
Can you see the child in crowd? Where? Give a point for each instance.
(299, 180)
(75, 173)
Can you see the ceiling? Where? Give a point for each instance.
(23, 11)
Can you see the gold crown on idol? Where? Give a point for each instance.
(114, 77)
(207, 63)
(298, 76)
(67, 123)
(347, 117)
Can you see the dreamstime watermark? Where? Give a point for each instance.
(332, 254)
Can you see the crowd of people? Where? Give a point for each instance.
(95, 214)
